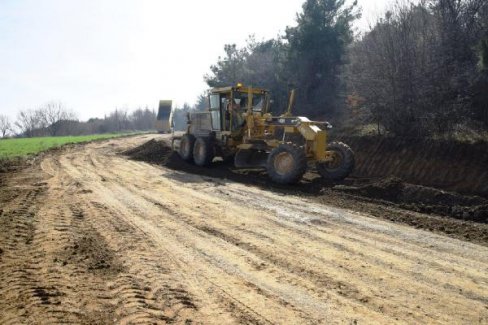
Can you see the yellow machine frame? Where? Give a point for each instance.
(260, 126)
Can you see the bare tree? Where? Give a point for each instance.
(117, 121)
(5, 125)
(53, 114)
(142, 119)
(28, 121)
(417, 67)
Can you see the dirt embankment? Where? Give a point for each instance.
(448, 165)
(390, 198)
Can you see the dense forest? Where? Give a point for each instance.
(421, 70)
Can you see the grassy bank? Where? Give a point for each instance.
(11, 148)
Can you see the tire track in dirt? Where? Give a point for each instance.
(243, 313)
(395, 249)
(134, 293)
(31, 286)
(237, 242)
(118, 241)
(49, 281)
(180, 216)
(261, 256)
(467, 294)
(143, 293)
(18, 281)
(244, 310)
(175, 297)
(364, 299)
(230, 300)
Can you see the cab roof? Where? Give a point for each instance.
(241, 89)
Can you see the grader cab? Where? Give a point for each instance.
(238, 126)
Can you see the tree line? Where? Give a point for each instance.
(55, 119)
(421, 70)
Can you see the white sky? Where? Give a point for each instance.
(97, 55)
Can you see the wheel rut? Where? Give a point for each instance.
(88, 237)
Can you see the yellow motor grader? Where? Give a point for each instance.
(237, 125)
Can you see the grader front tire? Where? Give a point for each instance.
(342, 164)
(286, 164)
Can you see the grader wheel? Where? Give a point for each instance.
(342, 164)
(286, 164)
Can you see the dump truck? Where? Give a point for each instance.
(238, 126)
(164, 117)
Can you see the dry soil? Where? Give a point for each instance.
(90, 236)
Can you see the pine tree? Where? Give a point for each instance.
(316, 53)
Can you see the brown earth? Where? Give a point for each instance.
(389, 198)
(89, 236)
(444, 164)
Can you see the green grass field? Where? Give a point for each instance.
(21, 147)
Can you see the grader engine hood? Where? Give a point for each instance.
(310, 131)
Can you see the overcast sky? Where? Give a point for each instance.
(97, 55)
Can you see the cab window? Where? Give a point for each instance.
(214, 101)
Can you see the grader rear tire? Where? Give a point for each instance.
(286, 164)
(186, 147)
(341, 166)
(203, 152)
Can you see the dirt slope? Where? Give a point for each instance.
(88, 236)
(449, 165)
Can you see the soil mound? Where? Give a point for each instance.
(10, 165)
(449, 165)
(152, 151)
(423, 199)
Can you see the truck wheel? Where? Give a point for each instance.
(203, 152)
(186, 147)
(341, 166)
(286, 164)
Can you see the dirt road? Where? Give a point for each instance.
(88, 236)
